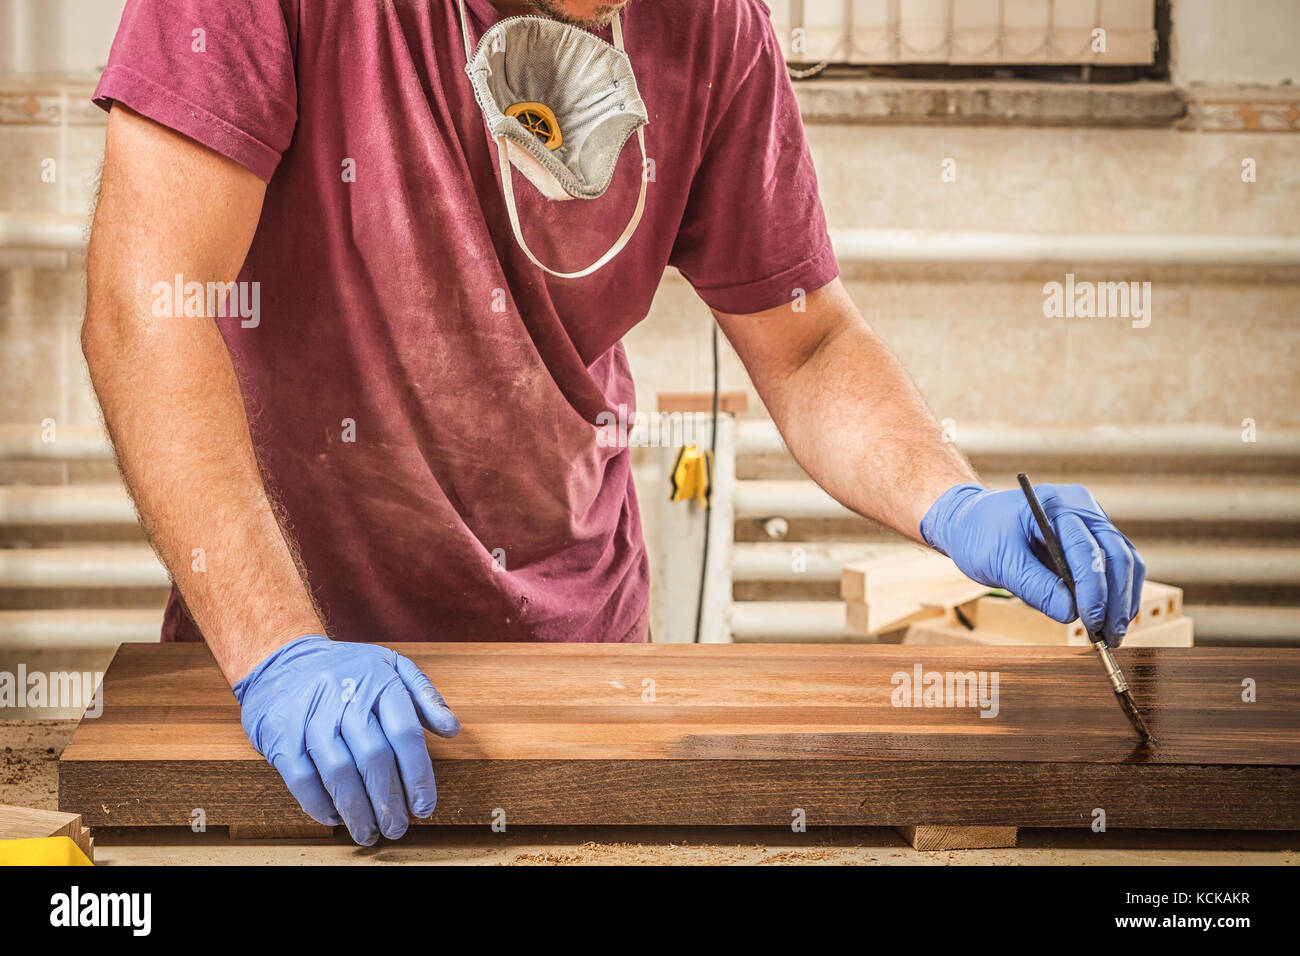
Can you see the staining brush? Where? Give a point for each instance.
(1116, 676)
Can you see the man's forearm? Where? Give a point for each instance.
(173, 409)
(849, 411)
(169, 392)
(857, 424)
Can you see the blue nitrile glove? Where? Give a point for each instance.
(993, 537)
(342, 724)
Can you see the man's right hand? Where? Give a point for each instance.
(341, 723)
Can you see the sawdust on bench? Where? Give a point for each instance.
(29, 761)
(677, 854)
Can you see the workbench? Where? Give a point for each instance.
(737, 735)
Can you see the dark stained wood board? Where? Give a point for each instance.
(743, 734)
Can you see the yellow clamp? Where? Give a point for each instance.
(692, 475)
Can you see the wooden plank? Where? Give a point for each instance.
(744, 734)
(958, 838)
(25, 823)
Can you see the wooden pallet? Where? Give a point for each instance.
(884, 595)
(1160, 604)
(1173, 632)
(744, 735)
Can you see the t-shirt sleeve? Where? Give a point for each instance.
(219, 71)
(753, 231)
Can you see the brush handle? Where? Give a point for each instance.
(1053, 543)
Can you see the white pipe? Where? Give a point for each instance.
(760, 437)
(781, 622)
(1065, 250)
(1242, 624)
(924, 246)
(24, 230)
(1170, 564)
(43, 630)
(65, 505)
(104, 567)
(811, 561)
(788, 499)
(23, 442)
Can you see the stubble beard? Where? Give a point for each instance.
(604, 15)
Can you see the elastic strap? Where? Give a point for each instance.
(464, 32)
(507, 187)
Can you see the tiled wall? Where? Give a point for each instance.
(51, 144)
(1222, 344)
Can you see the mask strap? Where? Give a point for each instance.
(508, 189)
(616, 29)
(464, 32)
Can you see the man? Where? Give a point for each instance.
(393, 438)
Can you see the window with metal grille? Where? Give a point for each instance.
(968, 33)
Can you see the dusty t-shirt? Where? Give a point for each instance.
(422, 398)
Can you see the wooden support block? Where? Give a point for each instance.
(282, 831)
(24, 823)
(734, 403)
(959, 838)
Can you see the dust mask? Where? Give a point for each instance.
(560, 104)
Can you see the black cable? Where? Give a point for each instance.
(708, 494)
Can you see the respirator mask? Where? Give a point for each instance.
(560, 104)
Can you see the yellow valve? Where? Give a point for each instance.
(539, 120)
(692, 475)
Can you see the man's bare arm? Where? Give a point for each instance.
(855, 421)
(847, 408)
(167, 207)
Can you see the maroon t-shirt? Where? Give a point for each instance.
(421, 396)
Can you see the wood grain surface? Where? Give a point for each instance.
(744, 734)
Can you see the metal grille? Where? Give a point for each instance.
(1013, 32)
